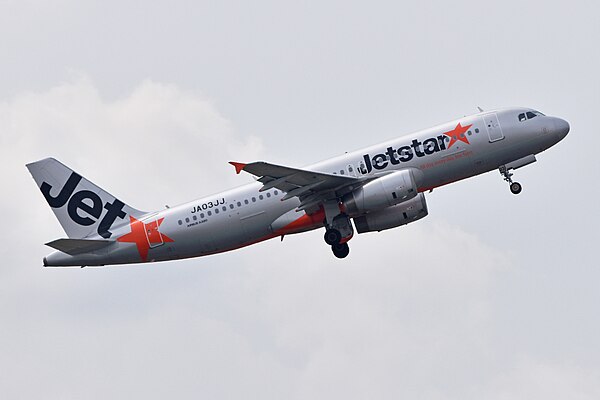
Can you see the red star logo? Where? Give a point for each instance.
(458, 133)
(144, 236)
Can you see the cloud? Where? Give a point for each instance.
(535, 379)
(411, 312)
(156, 130)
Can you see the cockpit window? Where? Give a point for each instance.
(528, 115)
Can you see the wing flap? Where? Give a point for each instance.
(78, 246)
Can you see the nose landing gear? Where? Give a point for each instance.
(515, 187)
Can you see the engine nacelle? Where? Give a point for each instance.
(391, 217)
(389, 190)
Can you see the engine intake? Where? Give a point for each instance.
(392, 217)
(389, 190)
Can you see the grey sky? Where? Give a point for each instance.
(491, 296)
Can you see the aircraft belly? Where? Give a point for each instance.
(459, 164)
(257, 224)
(209, 237)
(482, 157)
(228, 231)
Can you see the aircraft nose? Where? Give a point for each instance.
(561, 127)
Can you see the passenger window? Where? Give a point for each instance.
(246, 201)
(239, 203)
(268, 194)
(209, 213)
(201, 215)
(187, 220)
(361, 168)
(260, 197)
(254, 199)
(231, 206)
(216, 210)
(180, 222)
(224, 208)
(522, 117)
(341, 172)
(530, 115)
(275, 193)
(195, 218)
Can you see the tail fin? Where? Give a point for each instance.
(82, 208)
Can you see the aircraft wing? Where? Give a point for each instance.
(311, 187)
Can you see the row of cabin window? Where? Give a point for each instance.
(224, 208)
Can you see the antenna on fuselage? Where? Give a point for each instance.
(480, 109)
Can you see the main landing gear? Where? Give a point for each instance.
(340, 250)
(338, 234)
(515, 187)
(332, 236)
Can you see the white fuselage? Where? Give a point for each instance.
(243, 216)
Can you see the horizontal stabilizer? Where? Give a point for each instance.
(78, 246)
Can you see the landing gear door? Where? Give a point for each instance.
(153, 234)
(493, 127)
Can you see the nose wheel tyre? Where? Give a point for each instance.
(340, 250)
(332, 237)
(515, 188)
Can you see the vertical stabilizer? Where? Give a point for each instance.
(82, 208)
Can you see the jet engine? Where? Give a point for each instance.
(389, 190)
(391, 217)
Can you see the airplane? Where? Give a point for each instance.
(370, 190)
